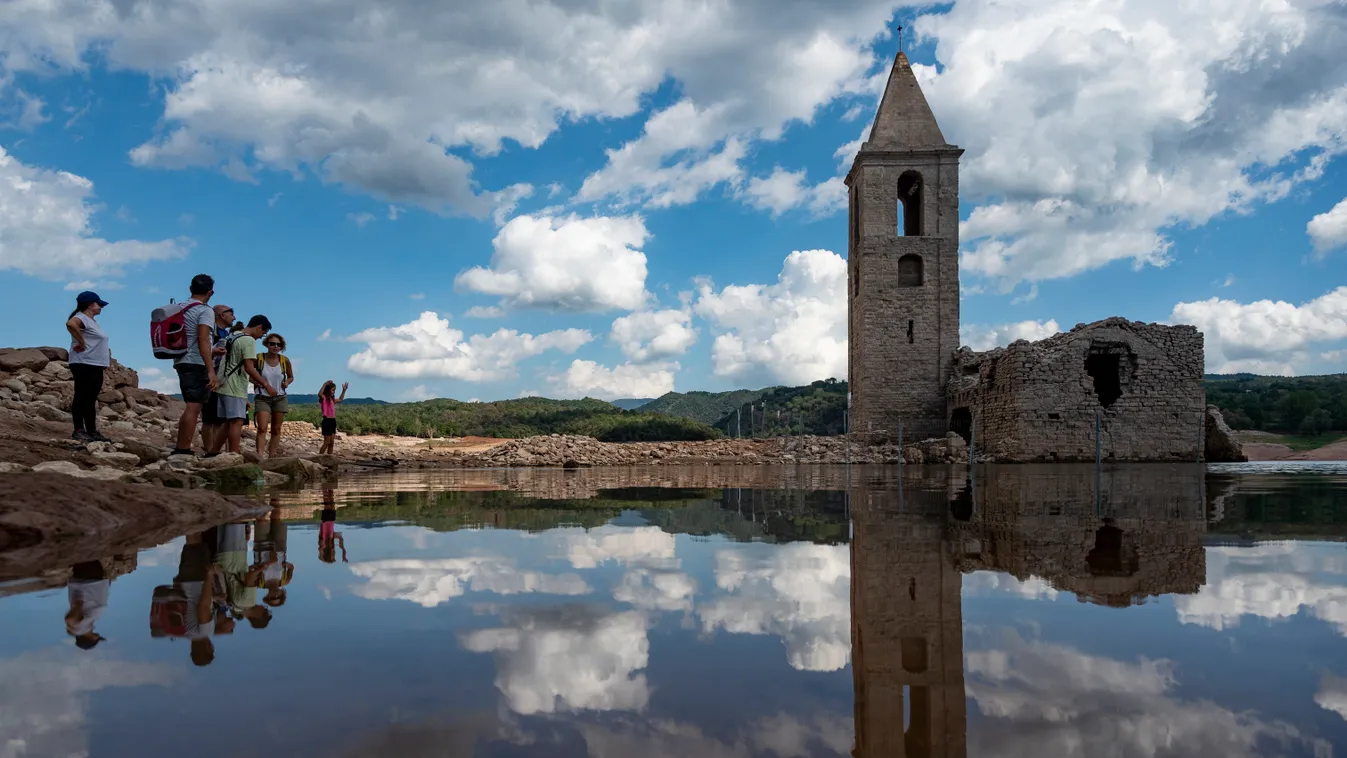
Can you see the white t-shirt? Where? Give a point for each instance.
(276, 571)
(94, 595)
(196, 629)
(95, 351)
(274, 375)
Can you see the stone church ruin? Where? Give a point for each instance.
(1135, 387)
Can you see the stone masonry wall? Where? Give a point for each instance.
(1036, 401)
(891, 377)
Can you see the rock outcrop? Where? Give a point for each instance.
(1222, 446)
(49, 519)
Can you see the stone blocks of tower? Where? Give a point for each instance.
(903, 263)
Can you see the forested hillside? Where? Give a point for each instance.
(706, 407)
(817, 408)
(1307, 405)
(524, 417)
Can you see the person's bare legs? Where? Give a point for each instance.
(236, 434)
(187, 425)
(328, 442)
(277, 422)
(263, 424)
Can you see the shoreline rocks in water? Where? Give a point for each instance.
(49, 519)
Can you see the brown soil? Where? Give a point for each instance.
(1262, 451)
(49, 520)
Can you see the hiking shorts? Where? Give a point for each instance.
(329, 427)
(232, 408)
(263, 403)
(193, 383)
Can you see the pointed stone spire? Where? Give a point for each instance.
(904, 120)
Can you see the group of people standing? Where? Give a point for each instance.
(214, 376)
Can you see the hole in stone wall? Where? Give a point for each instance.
(911, 270)
(1111, 556)
(912, 588)
(1105, 368)
(961, 423)
(1054, 417)
(910, 338)
(910, 190)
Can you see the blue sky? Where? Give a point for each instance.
(619, 199)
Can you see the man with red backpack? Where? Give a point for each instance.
(196, 367)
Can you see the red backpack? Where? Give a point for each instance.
(168, 612)
(168, 330)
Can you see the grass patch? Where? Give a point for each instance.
(1296, 442)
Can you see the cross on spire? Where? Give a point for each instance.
(900, 39)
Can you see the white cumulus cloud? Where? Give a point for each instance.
(1328, 230)
(799, 592)
(47, 229)
(1271, 581)
(430, 582)
(644, 546)
(1265, 337)
(986, 337)
(590, 379)
(484, 311)
(429, 347)
(783, 190)
(1095, 127)
(1039, 699)
(793, 331)
(572, 658)
(654, 335)
(571, 264)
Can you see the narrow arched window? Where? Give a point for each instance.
(910, 191)
(910, 271)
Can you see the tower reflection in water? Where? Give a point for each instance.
(1114, 538)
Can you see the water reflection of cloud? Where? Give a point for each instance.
(568, 658)
(42, 698)
(799, 592)
(1332, 694)
(642, 545)
(429, 582)
(1271, 581)
(983, 584)
(1043, 699)
(656, 590)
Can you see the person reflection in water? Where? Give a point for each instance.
(269, 552)
(328, 536)
(88, 589)
(197, 579)
(240, 579)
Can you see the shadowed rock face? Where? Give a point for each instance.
(51, 520)
(1222, 444)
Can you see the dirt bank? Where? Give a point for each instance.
(1269, 451)
(50, 520)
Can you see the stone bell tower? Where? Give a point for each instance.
(903, 262)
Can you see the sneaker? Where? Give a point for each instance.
(96, 437)
(81, 435)
(180, 451)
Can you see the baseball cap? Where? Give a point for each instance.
(86, 297)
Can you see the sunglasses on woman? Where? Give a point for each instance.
(272, 344)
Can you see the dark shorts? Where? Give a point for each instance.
(210, 411)
(193, 383)
(329, 427)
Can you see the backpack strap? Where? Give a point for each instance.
(229, 353)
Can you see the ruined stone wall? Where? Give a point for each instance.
(893, 375)
(1037, 401)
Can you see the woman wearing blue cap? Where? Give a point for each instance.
(89, 357)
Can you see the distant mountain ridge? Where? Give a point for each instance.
(313, 400)
(631, 403)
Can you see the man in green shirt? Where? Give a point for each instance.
(238, 370)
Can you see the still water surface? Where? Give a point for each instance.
(1031, 611)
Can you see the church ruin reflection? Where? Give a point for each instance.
(1116, 538)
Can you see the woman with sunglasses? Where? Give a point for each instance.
(270, 410)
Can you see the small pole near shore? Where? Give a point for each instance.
(1098, 439)
(900, 449)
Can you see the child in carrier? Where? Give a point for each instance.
(327, 403)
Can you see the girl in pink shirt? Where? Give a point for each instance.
(327, 403)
